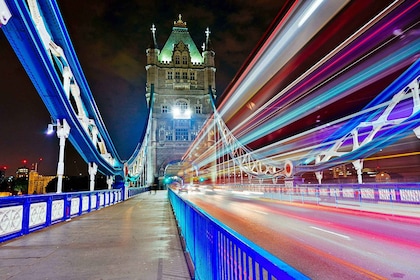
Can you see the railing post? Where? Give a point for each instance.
(26, 215)
(67, 207)
(49, 211)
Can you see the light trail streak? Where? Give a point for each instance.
(393, 156)
(325, 98)
(309, 12)
(263, 67)
(274, 103)
(375, 77)
(298, 153)
(298, 146)
(315, 134)
(327, 87)
(298, 149)
(259, 53)
(328, 57)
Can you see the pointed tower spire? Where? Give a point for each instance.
(180, 23)
(207, 45)
(153, 42)
(152, 51)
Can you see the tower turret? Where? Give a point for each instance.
(152, 60)
(210, 69)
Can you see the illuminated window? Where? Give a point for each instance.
(192, 76)
(184, 75)
(181, 104)
(170, 75)
(198, 109)
(168, 135)
(193, 135)
(181, 134)
(179, 123)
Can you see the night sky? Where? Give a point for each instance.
(110, 39)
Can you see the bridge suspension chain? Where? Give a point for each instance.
(247, 160)
(134, 167)
(69, 83)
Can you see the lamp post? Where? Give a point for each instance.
(63, 131)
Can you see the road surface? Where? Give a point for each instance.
(322, 242)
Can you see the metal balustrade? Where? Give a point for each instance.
(20, 215)
(398, 193)
(218, 252)
(391, 198)
(137, 190)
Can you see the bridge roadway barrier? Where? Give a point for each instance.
(136, 239)
(217, 252)
(397, 199)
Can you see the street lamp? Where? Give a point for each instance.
(63, 131)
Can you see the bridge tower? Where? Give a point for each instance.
(180, 79)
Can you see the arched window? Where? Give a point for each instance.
(182, 104)
(181, 110)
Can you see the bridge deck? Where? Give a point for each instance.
(136, 239)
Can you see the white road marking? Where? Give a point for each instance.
(261, 212)
(331, 232)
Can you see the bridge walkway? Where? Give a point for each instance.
(135, 239)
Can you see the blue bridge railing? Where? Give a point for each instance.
(218, 252)
(397, 193)
(20, 215)
(402, 199)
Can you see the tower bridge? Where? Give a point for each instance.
(265, 121)
(331, 84)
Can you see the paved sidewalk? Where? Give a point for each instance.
(135, 239)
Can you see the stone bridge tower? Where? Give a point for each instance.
(180, 79)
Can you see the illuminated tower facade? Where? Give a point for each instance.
(180, 79)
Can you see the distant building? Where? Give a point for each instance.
(180, 79)
(2, 174)
(37, 183)
(22, 172)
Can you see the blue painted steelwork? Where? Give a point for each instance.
(43, 69)
(218, 252)
(384, 138)
(137, 161)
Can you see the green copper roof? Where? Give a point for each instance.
(180, 33)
